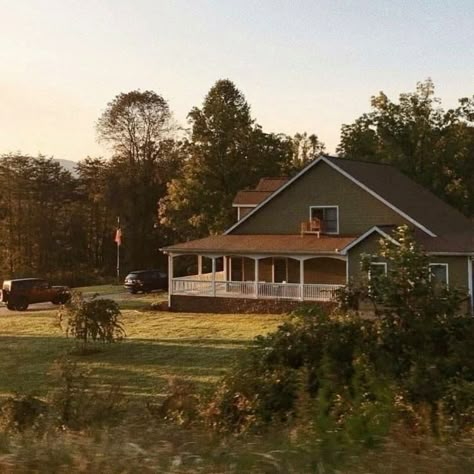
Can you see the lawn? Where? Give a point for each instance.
(159, 345)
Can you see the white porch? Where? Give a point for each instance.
(254, 279)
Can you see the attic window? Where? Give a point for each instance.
(329, 217)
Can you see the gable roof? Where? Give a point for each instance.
(406, 195)
(410, 200)
(271, 184)
(384, 231)
(264, 188)
(250, 198)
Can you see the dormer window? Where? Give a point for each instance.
(328, 216)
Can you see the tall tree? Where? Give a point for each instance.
(433, 146)
(227, 152)
(138, 127)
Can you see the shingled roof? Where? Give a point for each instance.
(264, 188)
(264, 244)
(396, 190)
(406, 195)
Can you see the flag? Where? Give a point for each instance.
(118, 236)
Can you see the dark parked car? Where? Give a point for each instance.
(18, 294)
(146, 281)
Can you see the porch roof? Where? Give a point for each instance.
(264, 244)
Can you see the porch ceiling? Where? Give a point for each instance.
(263, 244)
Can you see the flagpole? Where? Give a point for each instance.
(118, 252)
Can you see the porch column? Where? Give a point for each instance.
(224, 258)
(470, 283)
(213, 276)
(199, 264)
(302, 279)
(256, 277)
(170, 278)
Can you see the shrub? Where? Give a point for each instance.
(76, 402)
(92, 320)
(21, 412)
(181, 404)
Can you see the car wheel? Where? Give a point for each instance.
(133, 291)
(11, 307)
(21, 304)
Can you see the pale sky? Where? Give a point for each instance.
(302, 65)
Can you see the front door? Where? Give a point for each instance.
(280, 270)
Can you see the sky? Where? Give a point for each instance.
(302, 65)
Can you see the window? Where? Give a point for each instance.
(377, 269)
(439, 273)
(329, 217)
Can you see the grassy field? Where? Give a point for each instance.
(159, 345)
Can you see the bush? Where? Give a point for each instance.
(21, 412)
(76, 402)
(91, 320)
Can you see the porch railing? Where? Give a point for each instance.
(203, 277)
(248, 289)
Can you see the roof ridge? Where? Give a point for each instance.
(342, 158)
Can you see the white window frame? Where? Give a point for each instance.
(332, 206)
(445, 265)
(378, 263)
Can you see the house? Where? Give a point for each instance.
(301, 239)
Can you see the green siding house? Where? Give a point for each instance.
(301, 239)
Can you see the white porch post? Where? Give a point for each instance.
(302, 279)
(170, 278)
(470, 283)
(199, 264)
(213, 276)
(225, 267)
(256, 277)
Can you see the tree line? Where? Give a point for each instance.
(172, 183)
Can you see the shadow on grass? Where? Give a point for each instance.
(142, 367)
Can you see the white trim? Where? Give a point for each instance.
(377, 263)
(170, 278)
(271, 196)
(380, 198)
(331, 206)
(365, 235)
(244, 205)
(455, 254)
(344, 173)
(469, 276)
(446, 265)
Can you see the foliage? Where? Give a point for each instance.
(38, 214)
(353, 372)
(96, 319)
(76, 403)
(21, 412)
(227, 152)
(433, 146)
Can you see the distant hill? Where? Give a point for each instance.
(68, 165)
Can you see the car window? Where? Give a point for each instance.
(41, 284)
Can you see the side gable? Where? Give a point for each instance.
(319, 184)
(373, 230)
(313, 189)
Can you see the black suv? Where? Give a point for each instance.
(20, 293)
(146, 281)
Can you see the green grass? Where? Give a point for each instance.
(159, 345)
(101, 289)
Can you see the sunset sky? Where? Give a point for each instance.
(302, 65)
